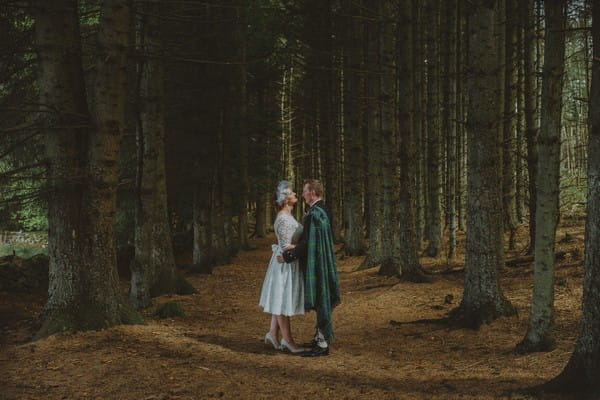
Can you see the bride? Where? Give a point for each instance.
(282, 292)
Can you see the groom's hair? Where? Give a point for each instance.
(316, 185)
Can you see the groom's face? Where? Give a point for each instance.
(308, 195)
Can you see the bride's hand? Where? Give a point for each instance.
(289, 247)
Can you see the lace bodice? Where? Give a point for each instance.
(287, 230)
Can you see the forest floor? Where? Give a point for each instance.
(216, 350)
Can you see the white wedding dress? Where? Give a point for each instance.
(283, 288)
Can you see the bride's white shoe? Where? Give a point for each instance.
(285, 345)
(269, 339)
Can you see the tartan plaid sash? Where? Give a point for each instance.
(321, 290)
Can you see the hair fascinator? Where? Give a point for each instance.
(283, 189)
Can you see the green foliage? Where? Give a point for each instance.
(21, 208)
(31, 217)
(170, 310)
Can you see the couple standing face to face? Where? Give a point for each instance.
(308, 195)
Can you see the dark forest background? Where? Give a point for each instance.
(145, 129)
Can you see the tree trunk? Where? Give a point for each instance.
(434, 176)
(262, 202)
(263, 195)
(418, 116)
(201, 255)
(83, 290)
(483, 300)
(354, 244)
(405, 248)
(319, 35)
(519, 155)
(460, 115)
(244, 186)
(389, 153)
(153, 270)
(530, 109)
(508, 153)
(449, 119)
(374, 148)
(541, 320)
(229, 181)
(582, 372)
(219, 228)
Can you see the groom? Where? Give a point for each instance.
(317, 259)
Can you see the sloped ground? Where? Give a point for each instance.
(216, 351)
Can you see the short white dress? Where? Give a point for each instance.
(283, 288)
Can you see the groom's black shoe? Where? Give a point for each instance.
(310, 345)
(316, 352)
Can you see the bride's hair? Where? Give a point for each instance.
(282, 191)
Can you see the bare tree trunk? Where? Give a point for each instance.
(530, 105)
(83, 290)
(449, 118)
(483, 300)
(201, 255)
(354, 244)
(264, 197)
(228, 183)
(374, 147)
(153, 270)
(405, 256)
(519, 156)
(460, 115)
(418, 118)
(539, 336)
(244, 187)
(389, 153)
(509, 146)
(219, 228)
(261, 215)
(434, 176)
(582, 372)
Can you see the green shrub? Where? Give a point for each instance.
(170, 310)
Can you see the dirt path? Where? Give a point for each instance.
(216, 351)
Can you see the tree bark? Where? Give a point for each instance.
(434, 176)
(509, 146)
(418, 118)
(582, 372)
(389, 153)
(244, 188)
(483, 300)
(201, 255)
(449, 119)
(405, 258)
(153, 270)
(539, 336)
(519, 155)
(374, 195)
(530, 110)
(219, 226)
(354, 244)
(83, 290)
(461, 49)
(262, 202)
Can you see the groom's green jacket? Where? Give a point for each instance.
(315, 252)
